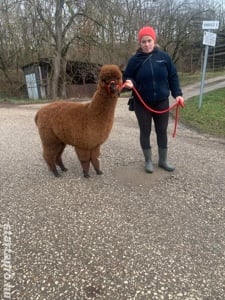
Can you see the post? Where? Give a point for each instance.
(209, 39)
(203, 76)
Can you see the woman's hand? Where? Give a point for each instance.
(128, 84)
(180, 100)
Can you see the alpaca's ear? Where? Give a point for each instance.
(121, 67)
(99, 68)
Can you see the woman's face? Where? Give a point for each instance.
(147, 44)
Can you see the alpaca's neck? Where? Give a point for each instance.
(103, 105)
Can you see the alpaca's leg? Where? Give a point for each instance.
(85, 166)
(51, 148)
(59, 161)
(50, 158)
(95, 153)
(84, 158)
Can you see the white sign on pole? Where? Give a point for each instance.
(210, 25)
(209, 38)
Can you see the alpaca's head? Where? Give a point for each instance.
(110, 79)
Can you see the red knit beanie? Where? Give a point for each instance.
(147, 30)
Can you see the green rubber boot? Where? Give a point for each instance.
(148, 160)
(163, 160)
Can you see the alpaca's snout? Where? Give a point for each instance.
(114, 87)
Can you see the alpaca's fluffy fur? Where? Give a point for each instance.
(84, 125)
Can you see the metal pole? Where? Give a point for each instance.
(203, 76)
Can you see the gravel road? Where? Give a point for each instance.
(125, 235)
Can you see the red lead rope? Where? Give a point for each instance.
(177, 104)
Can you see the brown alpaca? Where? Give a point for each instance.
(83, 125)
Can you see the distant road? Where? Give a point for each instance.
(210, 85)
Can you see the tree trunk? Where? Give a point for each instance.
(62, 85)
(55, 75)
(57, 61)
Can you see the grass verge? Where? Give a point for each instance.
(210, 118)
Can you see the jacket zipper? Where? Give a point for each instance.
(154, 83)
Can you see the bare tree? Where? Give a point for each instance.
(9, 40)
(97, 31)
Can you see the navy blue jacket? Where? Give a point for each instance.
(154, 75)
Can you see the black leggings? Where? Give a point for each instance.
(145, 117)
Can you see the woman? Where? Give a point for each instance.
(152, 72)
